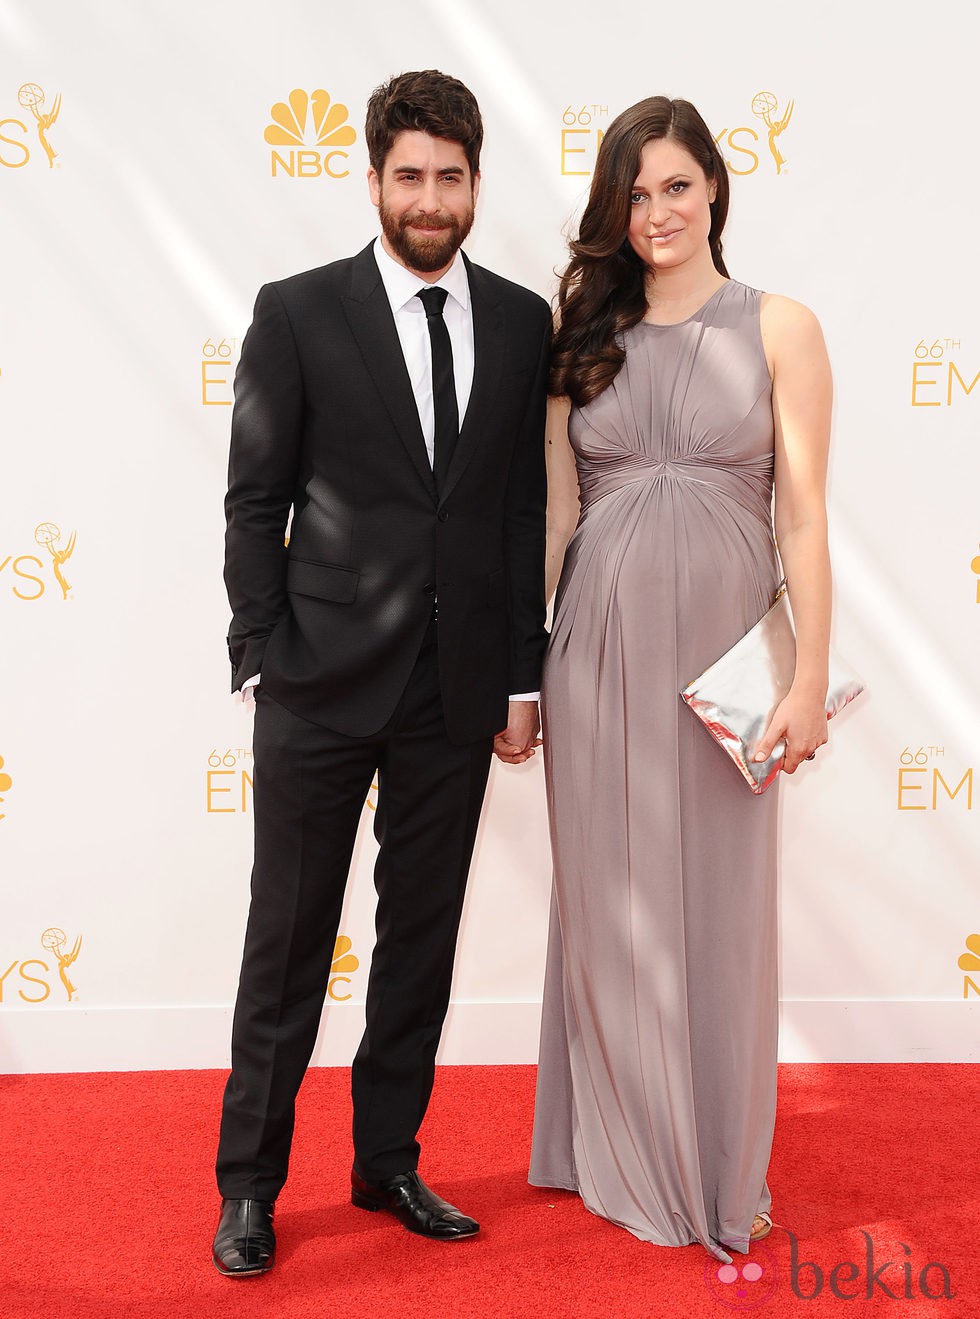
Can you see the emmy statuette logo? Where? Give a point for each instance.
(32, 975)
(31, 97)
(15, 132)
(766, 107)
(314, 128)
(28, 574)
(48, 535)
(55, 941)
(740, 145)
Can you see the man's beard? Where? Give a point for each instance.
(424, 252)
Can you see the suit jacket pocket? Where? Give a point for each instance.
(322, 581)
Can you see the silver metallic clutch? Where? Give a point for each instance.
(736, 697)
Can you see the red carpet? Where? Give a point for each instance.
(109, 1208)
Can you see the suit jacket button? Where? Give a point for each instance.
(443, 515)
(428, 589)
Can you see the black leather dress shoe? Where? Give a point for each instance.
(413, 1204)
(244, 1243)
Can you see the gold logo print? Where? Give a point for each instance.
(343, 961)
(6, 783)
(975, 565)
(31, 97)
(330, 125)
(54, 941)
(47, 534)
(970, 961)
(766, 107)
(343, 958)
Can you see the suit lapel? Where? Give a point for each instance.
(488, 354)
(369, 315)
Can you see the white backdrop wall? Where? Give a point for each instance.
(133, 243)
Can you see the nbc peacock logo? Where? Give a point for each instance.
(6, 783)
(342, 962)
(970, 962)
(314, 130)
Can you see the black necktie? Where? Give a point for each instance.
(443, 382)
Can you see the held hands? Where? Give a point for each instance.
(517, 741)
(800, 720)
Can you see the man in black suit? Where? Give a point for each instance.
(394, 402)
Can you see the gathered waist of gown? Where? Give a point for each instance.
(749, 484)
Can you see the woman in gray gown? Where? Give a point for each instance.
(681, 397)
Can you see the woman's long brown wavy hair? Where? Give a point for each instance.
(602, 293)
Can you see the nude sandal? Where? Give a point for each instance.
(761, 1227)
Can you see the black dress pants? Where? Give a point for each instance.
(309, 789)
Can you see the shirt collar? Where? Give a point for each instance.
(401, 285)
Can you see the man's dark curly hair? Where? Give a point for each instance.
(427, 102)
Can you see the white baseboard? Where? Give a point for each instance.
(155, 1038)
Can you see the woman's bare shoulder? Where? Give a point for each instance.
(789, 330)
(788, 315)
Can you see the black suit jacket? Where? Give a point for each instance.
(325, 423)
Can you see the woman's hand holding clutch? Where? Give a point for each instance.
(800, 721)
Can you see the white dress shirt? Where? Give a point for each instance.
(401, 286)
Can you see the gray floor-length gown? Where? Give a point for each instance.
(657, 1077)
